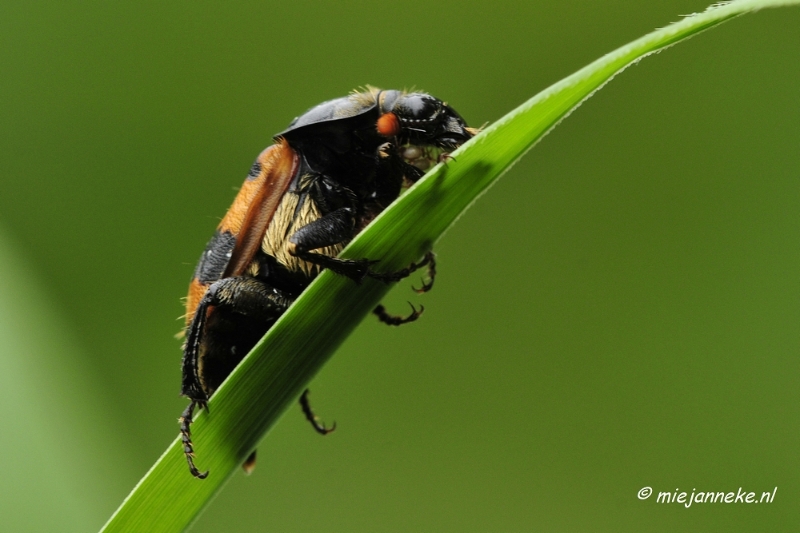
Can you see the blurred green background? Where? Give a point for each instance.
(620, 311)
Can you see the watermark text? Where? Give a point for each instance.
(687, 499)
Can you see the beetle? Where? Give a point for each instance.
(334, 169)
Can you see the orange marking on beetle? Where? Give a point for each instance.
(196, 292)
(388, 125)
(251, 211)
(278, 166)
(232, 222)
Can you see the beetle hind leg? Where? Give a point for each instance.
(243, 309)
(186, 437)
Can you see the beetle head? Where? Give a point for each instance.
(421, 119)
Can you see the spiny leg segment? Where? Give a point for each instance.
(186, 437)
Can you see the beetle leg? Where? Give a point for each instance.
(397, 275)
(358, 269)
(396, 320)
(186, 438)
(237, 298)
(337, 227)
(319, 427)
(411, 173)
(245, 297)
(334, 228)
(355, 269)
(430, 257)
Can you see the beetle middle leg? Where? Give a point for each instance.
(389, 277)
(334, 228)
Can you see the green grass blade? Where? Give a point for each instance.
(273, 375)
